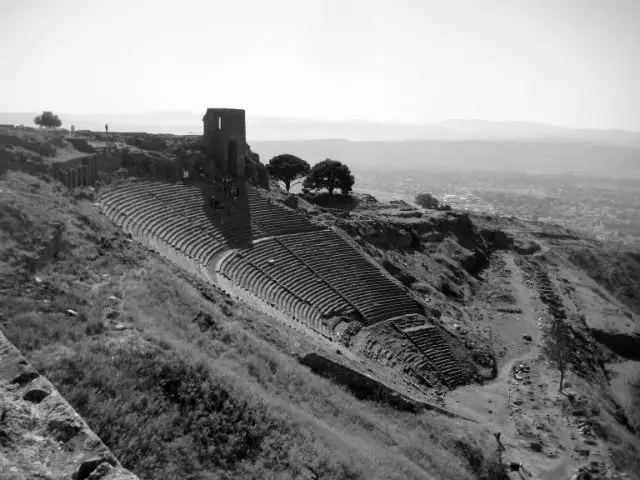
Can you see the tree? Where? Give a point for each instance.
(47, 119)
(330, 174)
(558, 346)
(427, 200)
(287, 167)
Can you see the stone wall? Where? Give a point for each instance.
(81, 172)
(41, 435)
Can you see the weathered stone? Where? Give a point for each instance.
(536, 446)
(36, 395)
(101, 471)
(63, 430)
(39, 408)
(224, 141)
(96, 467)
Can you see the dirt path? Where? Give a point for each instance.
(526, 409)
(489, 404)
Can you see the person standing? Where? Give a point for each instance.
(106, 127)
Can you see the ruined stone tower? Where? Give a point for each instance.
(224, 140)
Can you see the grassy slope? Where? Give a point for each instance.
(188, 389)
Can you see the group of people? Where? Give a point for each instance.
(216, 204)
(229, 190)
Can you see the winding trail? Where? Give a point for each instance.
(489, 404)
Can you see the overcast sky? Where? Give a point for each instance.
(566, 62)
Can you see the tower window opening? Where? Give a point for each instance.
(219, 123)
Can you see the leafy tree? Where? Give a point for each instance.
(47, 119)
(330, 174)
(287, 167)
(558, 347)
(427, 200)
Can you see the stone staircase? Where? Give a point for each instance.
(431, 342)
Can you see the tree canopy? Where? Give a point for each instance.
(287, 168)
(427, 200)
(47, 119)
(330, 174)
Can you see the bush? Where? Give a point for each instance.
(94, 328)
(485, 467)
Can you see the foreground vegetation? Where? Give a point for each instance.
(177, 379)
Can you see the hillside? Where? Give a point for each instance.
(212, 386)
(144, 308)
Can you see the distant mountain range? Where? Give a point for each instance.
(460, 145)
(281, 128)
(530, 156)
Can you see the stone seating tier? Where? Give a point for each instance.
(306, 270)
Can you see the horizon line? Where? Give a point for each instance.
(349, 120)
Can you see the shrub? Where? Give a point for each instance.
(95, 327)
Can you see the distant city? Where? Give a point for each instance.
(606, 209)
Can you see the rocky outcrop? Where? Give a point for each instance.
(384, 234)
(52, 246)
(41, 436)
(624, 344)
(81, 144)
(361, 385)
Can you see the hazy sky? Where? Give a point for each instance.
(565, 62)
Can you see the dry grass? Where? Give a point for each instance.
(188, 391)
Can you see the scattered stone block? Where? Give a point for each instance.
(536, 446)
